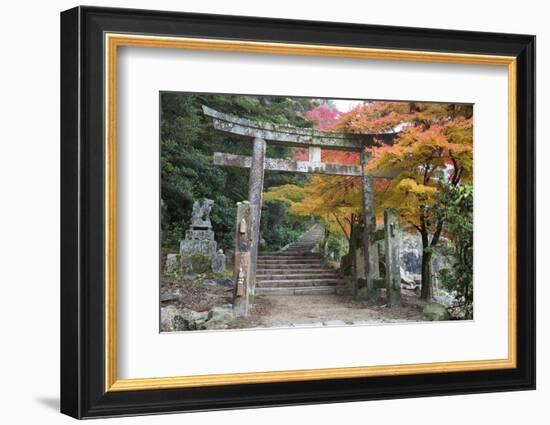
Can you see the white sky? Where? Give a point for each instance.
(346, 105)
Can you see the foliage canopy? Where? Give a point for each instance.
(188, 173)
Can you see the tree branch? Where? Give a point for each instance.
(341, 226)
(437, 233)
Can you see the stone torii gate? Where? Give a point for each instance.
(248, 231)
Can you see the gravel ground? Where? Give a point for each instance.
(193, 295)
(281, 311)
(285, 311)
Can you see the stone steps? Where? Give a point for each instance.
(289, 257)
(290, 254)
(293, 270)
(298, 283)
(284, 264)
(300, 250)
(297, 270)
(274, 264)
(296, 274)
(288, 266)
(300, 269)
(312, 290)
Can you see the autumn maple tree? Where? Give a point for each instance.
(336, 199)
(433, 149)
(323, 116)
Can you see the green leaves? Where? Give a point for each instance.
(455, 206)
(188, 141)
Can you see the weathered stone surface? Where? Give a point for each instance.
(217, 318)
(314, 154)
(374, 258)
(294, 136)
(166, 315)
(166, 298)
(228, 283)
(406, 280)
(288, 165)
(380, 283)
(435, 311)
(199, 315)
(241, 266)
(371, 263)
(199, 234)
(225, 312)
(199, 324)
(360, 270)
(223, 282)
(255, 192)
(393, 274)
(200, 263)
(194, 246)
(200, 218)
(172, 263)
(218, 262)
(181, 324)
(199, 239)
(217, 322)
(175, 319)
(185, 261)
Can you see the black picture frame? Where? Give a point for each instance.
(83, 392)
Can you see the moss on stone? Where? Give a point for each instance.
(200, 263)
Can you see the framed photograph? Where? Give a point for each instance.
(261, 212)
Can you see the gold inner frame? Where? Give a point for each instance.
(113, 41)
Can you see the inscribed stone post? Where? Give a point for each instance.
(393, 275)
(368, 217)
(255, 191)
(241, 271)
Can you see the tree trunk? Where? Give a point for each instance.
(427, 289)
(427, 292)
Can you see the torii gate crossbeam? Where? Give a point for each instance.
(312, 139)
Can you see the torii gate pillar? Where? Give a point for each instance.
(371, 266)
(255, 191)
(285, 135)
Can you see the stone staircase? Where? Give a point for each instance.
(297, 270)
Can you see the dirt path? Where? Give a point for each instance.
(297, 310)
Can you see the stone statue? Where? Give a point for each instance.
(201, 214)
(218, 262)
(199, 238)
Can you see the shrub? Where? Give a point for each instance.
(200, 263)
(336, 246)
